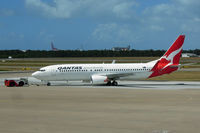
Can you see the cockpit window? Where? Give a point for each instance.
(42, 70)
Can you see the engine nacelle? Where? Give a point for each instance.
(98, 79)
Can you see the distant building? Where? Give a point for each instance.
(9, 57)
(24, 51)
(189, 55)
(121, 48)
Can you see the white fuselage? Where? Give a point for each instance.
(72, 72)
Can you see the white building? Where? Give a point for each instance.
(189, 55)
(121, 48)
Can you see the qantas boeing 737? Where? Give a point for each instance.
(108, 74)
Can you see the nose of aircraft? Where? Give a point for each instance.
(35, 74)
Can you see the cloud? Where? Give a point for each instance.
(171, 18)
(188, 2)
(71, 8)
(156, 28)
(126, 21)
(46, 36)
(57, 11)
(11, 36)
(115, 33)
(124, 10)
(6, 12)
(179, 15)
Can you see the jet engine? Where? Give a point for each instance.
(98, 79)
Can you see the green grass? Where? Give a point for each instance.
(180, 76)
(94, 60)
(34, 64)
(3, 70)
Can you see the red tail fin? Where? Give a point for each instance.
(53, 48)
(174, 52)
(169, 59)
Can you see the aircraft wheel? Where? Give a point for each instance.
(109, 83)
(12, 84)
(48, 84)
(114, 83)
(21, 83)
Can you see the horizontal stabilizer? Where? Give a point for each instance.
(175, 66)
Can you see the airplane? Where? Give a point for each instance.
(53, 48)
(108, 74)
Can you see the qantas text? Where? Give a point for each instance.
(70, 68)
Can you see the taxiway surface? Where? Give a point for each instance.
(131, 107)
(155, 85)
(73, 109)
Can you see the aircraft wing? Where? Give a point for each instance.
(182, 65)
(188, 64)
(175, 66)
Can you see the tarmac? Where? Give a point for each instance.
(131, 107)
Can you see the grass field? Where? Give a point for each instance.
(40, 62)
(180, 76)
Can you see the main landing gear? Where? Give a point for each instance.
(113, 83)
(48, 84)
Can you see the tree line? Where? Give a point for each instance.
(88, 53)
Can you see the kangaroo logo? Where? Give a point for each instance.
(170, 57)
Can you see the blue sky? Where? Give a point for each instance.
(98, 24)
